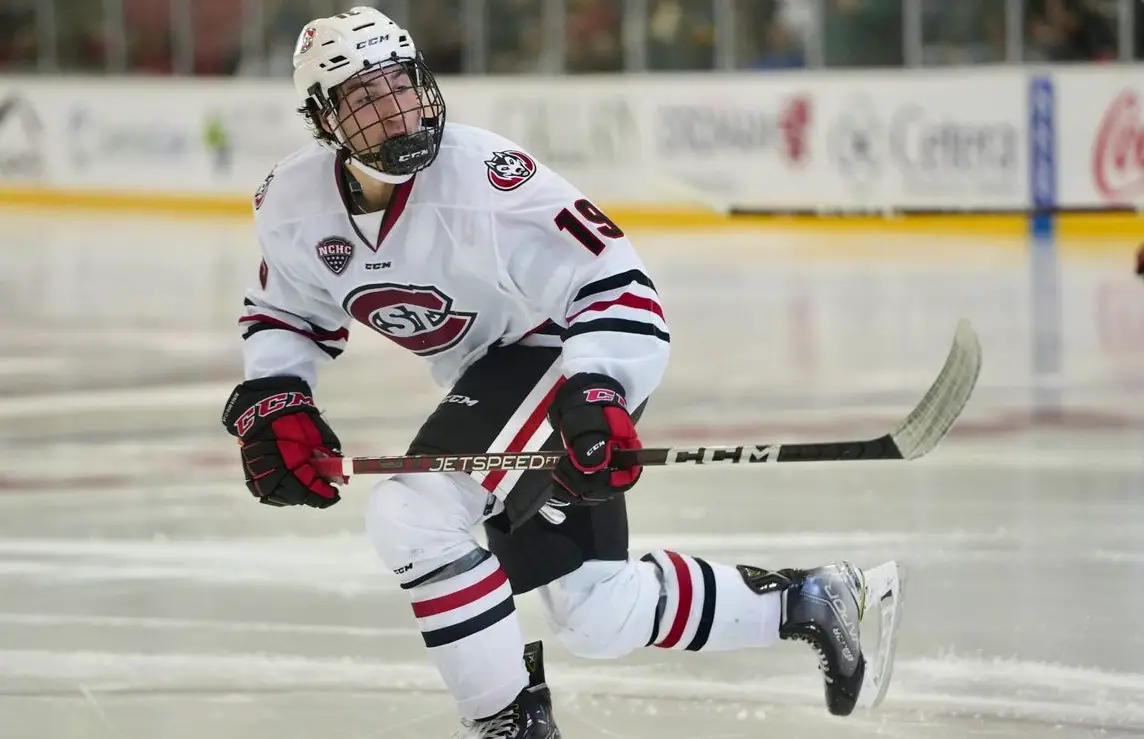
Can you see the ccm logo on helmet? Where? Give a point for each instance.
(371, 41)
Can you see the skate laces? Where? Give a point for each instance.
(823, 661)
(502, 726)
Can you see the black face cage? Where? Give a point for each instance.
(398, 155)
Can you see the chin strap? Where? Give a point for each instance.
(336, 142)
(357, 194)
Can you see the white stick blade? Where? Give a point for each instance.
(943, 403)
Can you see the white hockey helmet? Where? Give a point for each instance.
(395, 129)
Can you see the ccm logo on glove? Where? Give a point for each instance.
(604, 395)
(590, 414)
(281, 432)
(267, 407)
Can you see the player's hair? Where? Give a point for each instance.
(313, 118)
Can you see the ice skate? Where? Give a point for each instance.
(527, 717)
(826, 607)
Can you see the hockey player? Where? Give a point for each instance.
(532, 306)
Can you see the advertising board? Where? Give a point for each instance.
(840, 141)
(148, 136)
(1102, 135)
(837, 141)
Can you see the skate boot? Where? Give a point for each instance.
(824, 607)
(527, 717)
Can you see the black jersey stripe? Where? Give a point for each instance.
(616, 325)
(613, 282)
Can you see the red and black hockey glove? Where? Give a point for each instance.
(280, 431)
(590, 414)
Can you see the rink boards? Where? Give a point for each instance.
(984, 145)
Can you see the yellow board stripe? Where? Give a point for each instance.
(128, 202)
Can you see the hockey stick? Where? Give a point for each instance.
(917, 435)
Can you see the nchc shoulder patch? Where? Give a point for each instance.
(510, 169)
(336, 253)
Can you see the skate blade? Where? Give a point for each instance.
(884, 590)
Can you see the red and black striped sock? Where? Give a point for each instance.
(469, 624)
(708, 606)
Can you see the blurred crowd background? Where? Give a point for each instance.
(256, 37)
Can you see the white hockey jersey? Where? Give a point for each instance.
(487, 246)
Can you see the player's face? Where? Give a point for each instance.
(377, 106)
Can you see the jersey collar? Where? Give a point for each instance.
(393, 211)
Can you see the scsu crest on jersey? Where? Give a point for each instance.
(420, 318)
(336, 253)
(510, 169)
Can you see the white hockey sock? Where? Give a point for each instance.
(708, 606)
(469, 624)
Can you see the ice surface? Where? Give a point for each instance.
(143, 595)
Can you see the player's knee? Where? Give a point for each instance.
(603, 610)
(418, 522)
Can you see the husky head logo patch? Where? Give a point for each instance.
(336, 253)
(509, 170)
